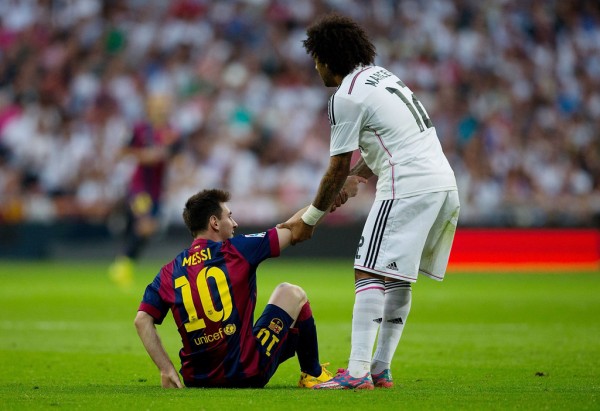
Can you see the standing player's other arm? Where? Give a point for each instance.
(333, 180)
(360, 173)
(349, 190)
(361, 169)
(144, 324)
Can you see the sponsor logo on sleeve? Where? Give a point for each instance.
(256, 235)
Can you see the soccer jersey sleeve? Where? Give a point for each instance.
(152, 303)
(257, 247)
(345, 118)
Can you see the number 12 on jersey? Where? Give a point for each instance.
(415, 106)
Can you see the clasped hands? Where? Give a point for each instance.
(302, 231)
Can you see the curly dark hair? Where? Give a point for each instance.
(201, 206)
(340, 43)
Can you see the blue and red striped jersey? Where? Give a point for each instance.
(211, 290)
(149, 177)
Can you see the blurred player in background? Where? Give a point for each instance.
(411, 225)
(211, 290)
(151, 145)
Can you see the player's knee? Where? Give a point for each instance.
(293, 293)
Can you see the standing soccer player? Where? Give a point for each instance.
(211, 290)
(151, 146)
(412, 222)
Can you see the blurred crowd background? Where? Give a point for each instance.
(512, 86)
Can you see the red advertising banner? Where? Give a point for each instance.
(547, 249)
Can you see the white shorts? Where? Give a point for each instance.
(407, 236)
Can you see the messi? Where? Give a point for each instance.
(197, 257)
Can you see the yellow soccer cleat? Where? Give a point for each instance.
(121, 272)
(309, 381)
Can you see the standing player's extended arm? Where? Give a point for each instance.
(331, 184)
(333, 180)
(144, 324)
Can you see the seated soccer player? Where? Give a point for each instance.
(211, 290)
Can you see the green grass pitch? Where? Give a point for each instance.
(474, 342)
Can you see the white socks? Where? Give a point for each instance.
(367, 314)
(397, 303)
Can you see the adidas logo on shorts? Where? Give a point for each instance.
(392, 266)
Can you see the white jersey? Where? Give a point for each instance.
(372, 110)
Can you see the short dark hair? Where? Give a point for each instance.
(340, 43)
(201, 206)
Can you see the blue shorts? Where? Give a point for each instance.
(274, 342)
